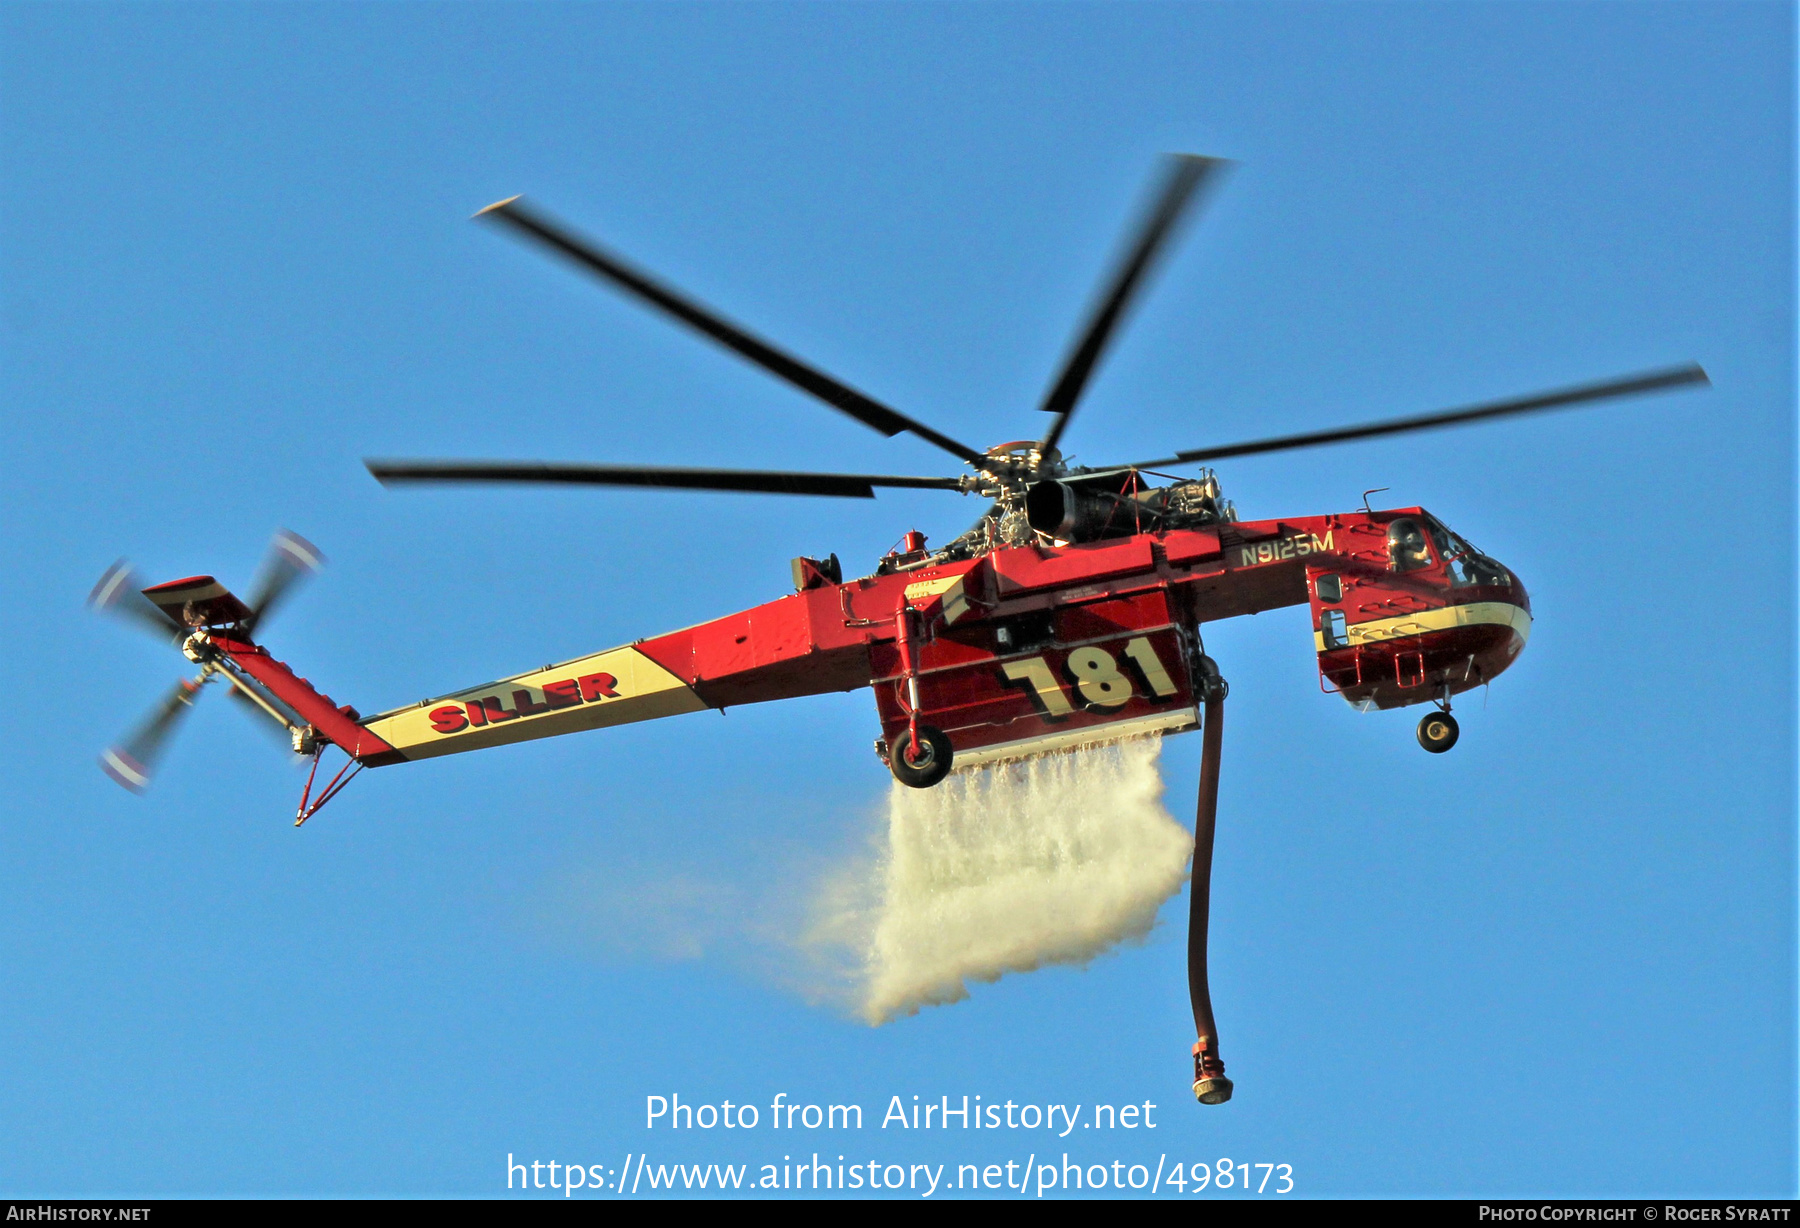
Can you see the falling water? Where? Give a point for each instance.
(1052, 860)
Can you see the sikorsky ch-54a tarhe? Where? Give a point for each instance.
(1069, 614)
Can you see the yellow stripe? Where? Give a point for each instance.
(1478, 614)
(646, 690)
(950, 588)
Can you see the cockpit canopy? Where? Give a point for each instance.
(1412, 540)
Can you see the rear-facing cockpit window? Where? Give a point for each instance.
(1407, 550)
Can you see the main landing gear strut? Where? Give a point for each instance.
(1210, 1084)
(921, 755)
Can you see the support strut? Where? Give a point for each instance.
(906, 639)
(1210, 1084)
(310, 805)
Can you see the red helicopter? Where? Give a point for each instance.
(1068, 614)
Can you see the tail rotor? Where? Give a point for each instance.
(132, 761)
(120, 593)
(291, 558)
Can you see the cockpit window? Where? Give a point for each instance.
(1406, 545)
(1467, 565)
(1440, 537)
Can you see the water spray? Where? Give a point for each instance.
(1003, 869)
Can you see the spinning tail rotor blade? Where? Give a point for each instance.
(590, 255)
(120, 593)
(1183, 177)
(841, 485)
(131, 762)
(291, 558)
(1631, 385)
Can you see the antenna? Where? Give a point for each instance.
(1366, 495)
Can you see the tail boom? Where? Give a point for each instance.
(338, 725)
(615, 687)
(808, 643)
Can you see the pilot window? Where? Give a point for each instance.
(1467, 565)
(1471, 568)
(1407, 550)
(1329, 588)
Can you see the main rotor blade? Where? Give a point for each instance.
(1631, 385)
(120, 592)
(131, 762)
(1183, 175)
(290, 558)
(863, 408)
(843, 485)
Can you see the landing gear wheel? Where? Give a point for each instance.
(1437, 732)
(925, 767)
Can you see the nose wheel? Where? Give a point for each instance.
(1437, 732)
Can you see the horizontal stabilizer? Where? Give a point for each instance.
(198, 601)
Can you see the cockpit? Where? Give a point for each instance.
(1412, 542)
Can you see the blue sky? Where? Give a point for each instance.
(234, 259)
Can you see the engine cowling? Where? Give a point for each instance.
(1068, 513)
